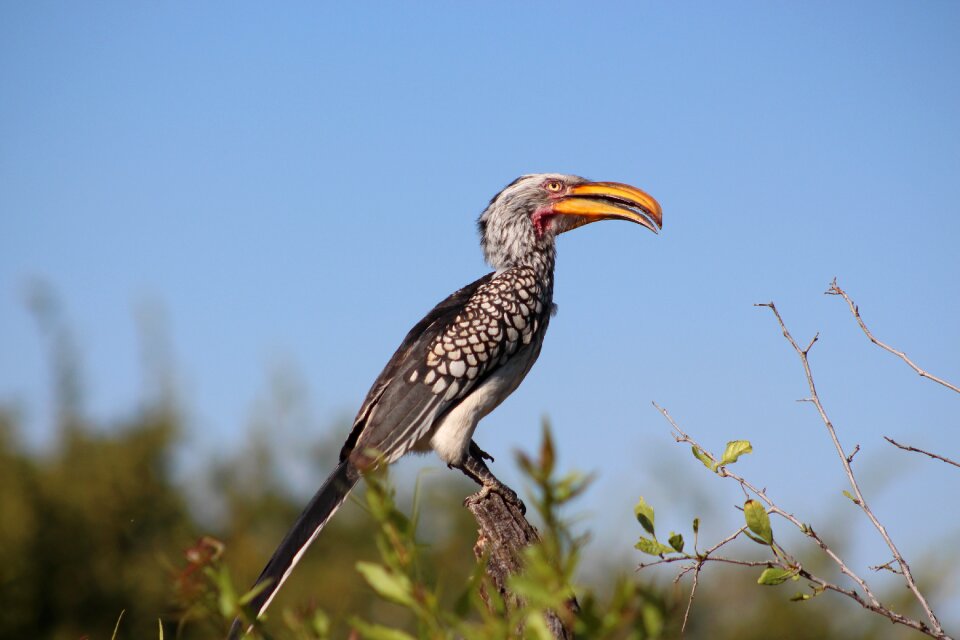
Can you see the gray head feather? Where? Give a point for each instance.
(508, 235)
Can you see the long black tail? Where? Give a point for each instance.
(303, 532)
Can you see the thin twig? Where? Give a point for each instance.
(706, 554)
(886, 566)
(696, 565)
(893, 616)
(926, 453)
(815, 398)
(730, 538)
(786, 562)
(835, 290)
(856, 449)
(806, 529)
(693, 593)
(702, 559)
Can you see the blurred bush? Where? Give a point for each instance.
(100, 524)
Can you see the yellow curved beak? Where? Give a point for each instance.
(594, 201)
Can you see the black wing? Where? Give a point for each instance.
(465, 339)
(417, 341)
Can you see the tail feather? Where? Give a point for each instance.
(301, 535)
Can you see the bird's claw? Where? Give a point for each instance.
(511, 496)
(506, 493)
(477, 452)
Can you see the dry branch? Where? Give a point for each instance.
(845, 461)
(502, 535)
(867, 599)
(935, 456)
(835, 290)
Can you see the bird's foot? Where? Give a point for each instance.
(476, 469)
(477, 452)
(509, 495)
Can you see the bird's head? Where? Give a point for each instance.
(525, 218)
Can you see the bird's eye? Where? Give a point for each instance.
(553, 186)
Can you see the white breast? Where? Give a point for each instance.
(451, 436)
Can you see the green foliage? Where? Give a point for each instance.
(703, 457)
(676, 542)
(735, 449)
(758, 521)
(772, 576)
(652, 546)
(732, 453)
(100, 538)
(389, 585)
(83, 524)
(645, 515)
(372, 631)
(546, 584)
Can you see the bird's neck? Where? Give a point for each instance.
(540, 262)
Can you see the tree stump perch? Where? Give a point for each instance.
(503, 533)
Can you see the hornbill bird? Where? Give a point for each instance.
(468, 354)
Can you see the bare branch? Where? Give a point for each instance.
(693, 593)
(835, 290)
(856, 449)
(893, 616)
(702, 559)
(886, 566)
(815, 398)
(926, 453)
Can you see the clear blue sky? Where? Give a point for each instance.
(296, 184)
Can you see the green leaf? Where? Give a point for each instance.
(547, 452)
(378, 632)
(755, 538)
(461, 606)
(799, 596)
(227, 596)
(395, 587)
(653, 621)
(526, 464)
(116, 627)
(853, 498)
(318, 622)
(571, 486)
(248, 597)
(532, 589)
(644, 513)
(773, 576)
(536, 627)
(652, 547)
(758, 520)
(735, 449)
(699, 454)
(676, 541)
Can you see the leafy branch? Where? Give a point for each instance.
(782, 566)
(532, 598)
